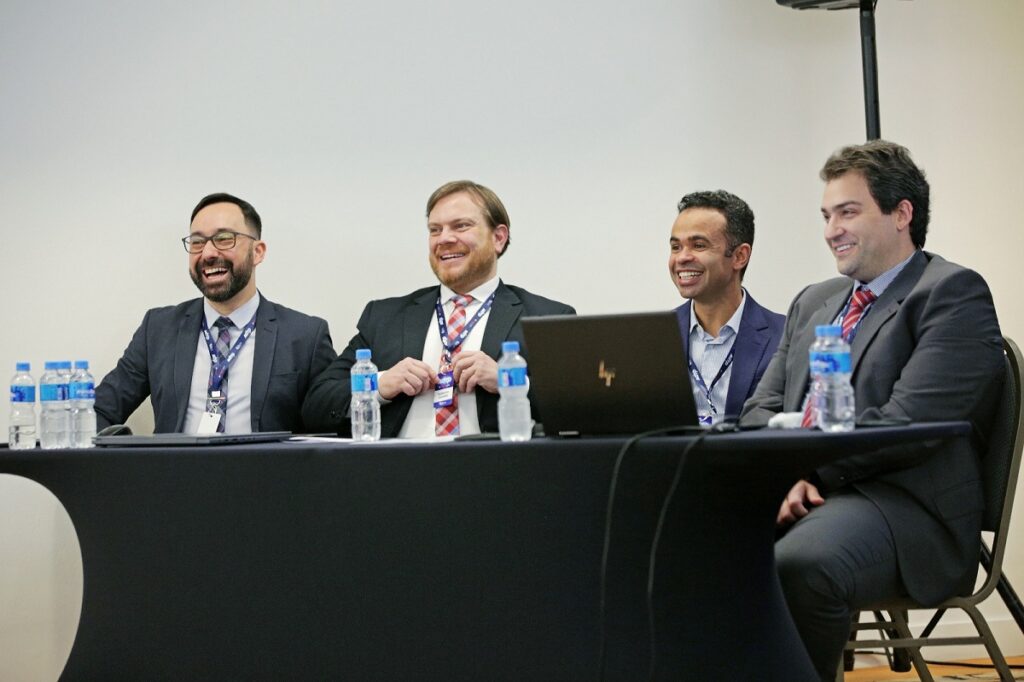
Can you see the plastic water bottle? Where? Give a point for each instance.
(55, 412)
(365, 408)
(514, 420)
(82, 393)
(22, 428)
(831, 391)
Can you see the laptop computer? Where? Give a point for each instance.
(189, 439)
(608, 374)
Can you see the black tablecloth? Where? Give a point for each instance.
(459, 561)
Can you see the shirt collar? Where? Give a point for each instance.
(733, 325)
(479, 294)
(241, 315)
(879, 284)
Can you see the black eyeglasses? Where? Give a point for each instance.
(222, 241)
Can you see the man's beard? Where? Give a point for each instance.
(237, 279)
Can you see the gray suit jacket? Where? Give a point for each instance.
(396, 328)
(929, 349)
(291, 348)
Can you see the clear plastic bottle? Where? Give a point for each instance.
(831, 396)
(365, 408)
(82, 394)
(55, 412)
(21, 434)
(514, 420)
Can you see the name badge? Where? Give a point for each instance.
(208, 423)
(704, 420)
(445, 391)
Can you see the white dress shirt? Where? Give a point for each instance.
(239, 376)
(419, 423)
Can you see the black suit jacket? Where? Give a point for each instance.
(291, 348)
(759, 335)
(396, 328)
(929, 349)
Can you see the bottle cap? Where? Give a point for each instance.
(65, 364)
(828, 330)
(510, 347)
(363, 354)
(81, 364)
(51, 364)
(22, 366)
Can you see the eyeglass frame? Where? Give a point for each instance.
(201, 240)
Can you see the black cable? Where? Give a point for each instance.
(608, 525)
(654, 547)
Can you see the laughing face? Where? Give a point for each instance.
(864, 241)
(703, 267)
(225, 277)
(464, 248)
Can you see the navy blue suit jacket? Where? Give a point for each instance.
(759, 335)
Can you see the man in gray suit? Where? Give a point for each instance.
(926, 346)
(231, 360)
(437, 381)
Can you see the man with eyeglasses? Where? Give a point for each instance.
(229, 362)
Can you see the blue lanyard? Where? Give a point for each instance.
(442, 326)
(220, 363)
(705, 389)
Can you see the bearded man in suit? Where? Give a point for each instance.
(437, 380)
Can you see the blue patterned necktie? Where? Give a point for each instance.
(223, 326)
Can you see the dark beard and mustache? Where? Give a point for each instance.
(237, 279)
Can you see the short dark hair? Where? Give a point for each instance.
(739, 219)
(493, 210)
(892, 176)
(252, 218)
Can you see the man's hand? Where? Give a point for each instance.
(798, 503)
(410, 376)
(475, 368)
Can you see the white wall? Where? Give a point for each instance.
(337, 119)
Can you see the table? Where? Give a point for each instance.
(461, 561)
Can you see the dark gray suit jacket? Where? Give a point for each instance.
(759, 336)
(291, 349)
(929, 349)
(396, 328)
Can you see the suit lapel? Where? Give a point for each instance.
(262, 359)
(800, 375)
(885, 307)
(185, 360)
(416, 319)
(683, 314)
(748, 349)
(505, 311)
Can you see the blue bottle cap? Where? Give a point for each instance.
(22, 366)
(81, 364)
(510, 347)
(51, 364)
(828, 330)
(363, 354)
(65, 364)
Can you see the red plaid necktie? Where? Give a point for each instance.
(861, 299)
(446, 418)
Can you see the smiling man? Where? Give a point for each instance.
(467, 232)
(925, 346)
(232, 353)
(728, 338)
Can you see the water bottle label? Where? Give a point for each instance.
(82, 390)
(50, 392)
(830, 363)
(512, 376)
(23, 394)
(364, 383)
